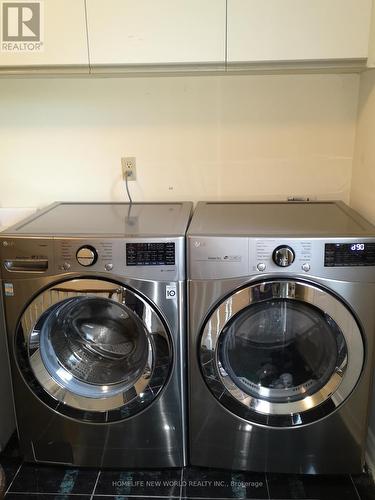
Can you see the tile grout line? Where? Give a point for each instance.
(14, 477)
(142, 497)
(55, 495)
(355, 487)
(268, 490)
(95, 485)
(169, 497)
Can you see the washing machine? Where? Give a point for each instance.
(281, 334)
(95, 314)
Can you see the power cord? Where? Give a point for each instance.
(127, 189)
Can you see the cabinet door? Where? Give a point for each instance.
(58, 25)
(297, 30)
(156, 32)
(371, 49)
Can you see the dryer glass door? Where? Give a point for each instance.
(97, 347)
(281, 350)
(285, 353)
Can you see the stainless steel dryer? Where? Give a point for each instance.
(95, 313)
(281, 336)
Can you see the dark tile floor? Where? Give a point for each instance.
(60, 483)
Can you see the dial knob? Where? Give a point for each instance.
(87, 256)
(283, 256)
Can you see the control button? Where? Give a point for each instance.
(87, 256)
(306, 267)
(66, 266)
(108, 267)
(261, 266)
(283, 256)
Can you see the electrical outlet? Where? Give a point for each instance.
(129, 168)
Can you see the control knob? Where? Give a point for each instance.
(283, 256)
(87, 256)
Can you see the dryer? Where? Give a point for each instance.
(95, 314)
(282, 318)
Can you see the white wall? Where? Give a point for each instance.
(363, 190)
(213, 137)
(363, 182)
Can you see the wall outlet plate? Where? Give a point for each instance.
(129, 168)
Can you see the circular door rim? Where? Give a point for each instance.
(328, 398)
(120, 405)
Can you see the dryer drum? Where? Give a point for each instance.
(281, 350)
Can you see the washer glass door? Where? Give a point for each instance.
(284, 353)
(94, 350)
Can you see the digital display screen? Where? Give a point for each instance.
(357, 247)
(150, 254)
(349, 254)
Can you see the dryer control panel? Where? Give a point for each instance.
(349, 254)
(282, 255)
(325, 258)
(213, 257)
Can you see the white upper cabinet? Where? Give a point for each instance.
(132, 33)
(49, 35)
(371, 50)
(297, 30)
(53, 36)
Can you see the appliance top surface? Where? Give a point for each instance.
(291, 219)
(107, 219)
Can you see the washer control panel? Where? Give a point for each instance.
(150, 254)
(154, 258)
(77, 255)
(87, 256)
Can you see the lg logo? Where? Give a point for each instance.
(22, 26)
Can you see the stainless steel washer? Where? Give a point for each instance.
(94, 300)
(281, 336)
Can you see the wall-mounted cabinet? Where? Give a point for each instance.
(371, 49)
(268, 31)
(142, 34)
(60, 28)
(138, 36)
